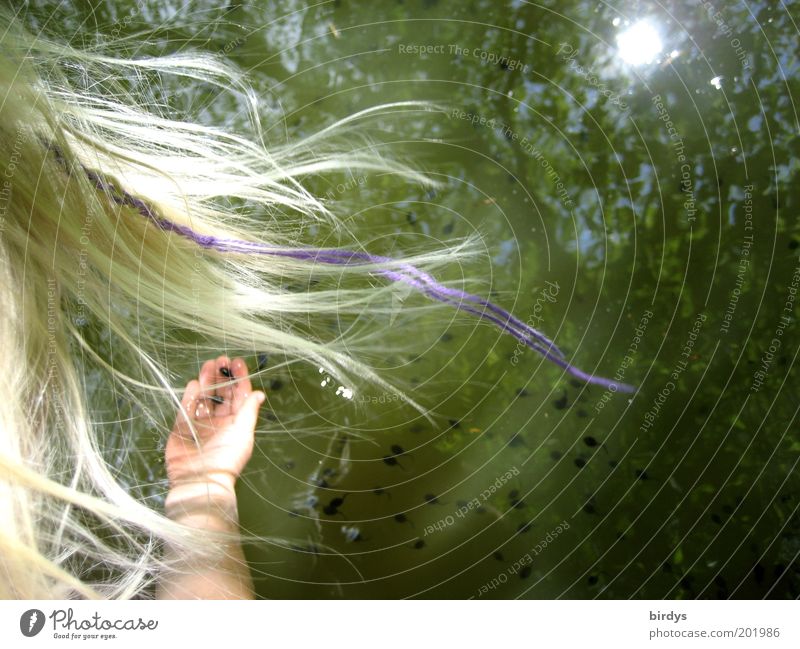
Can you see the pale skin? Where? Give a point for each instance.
(202, 477)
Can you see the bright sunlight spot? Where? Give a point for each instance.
(639, 44)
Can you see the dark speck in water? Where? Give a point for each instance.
(431, 499)
(517, 503)
(448, 229)
(514, 493)
(293, 513)
(411, 217)
(580, 462)
(613, 463)
(270, 416)
(391, 460)
(446, 337)
(416, 428)
(575, 383)
(275, 385)
(454, 423)
(589, 508)
(641, 474)
(525, 572)
(379, 491)
(716, 519)
(561, 403)
(556, 455)
(581, 413)
(419, 544)
(261, 361)
(322, 484)
(592, 580)
(498, 556)
(793, 244)
(522, 392)
(333, 506)
(516, 440)
(397, 449)
(591, 442)
(289, 465)
(401, 518)
(522, 528)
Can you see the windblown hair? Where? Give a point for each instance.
(122, 228)
(80, 158)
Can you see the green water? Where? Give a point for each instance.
(664, 258)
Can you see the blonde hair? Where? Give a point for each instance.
(113, 213)
(71, 253)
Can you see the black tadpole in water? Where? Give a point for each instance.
(561, 403)
(516, 440)
(391, 460)
(225, 372)
(333, 506)
(419, 544)
(261, 361)
(432, 499)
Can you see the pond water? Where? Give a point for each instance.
(630, 167)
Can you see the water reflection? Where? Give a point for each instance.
(640, 43)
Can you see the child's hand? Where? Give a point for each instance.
(224, 418)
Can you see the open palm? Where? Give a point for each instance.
(223, 410)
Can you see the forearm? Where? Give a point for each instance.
(209, 507)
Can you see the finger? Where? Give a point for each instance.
(224, 374)
(190, 394)
(247, 416)
(243, 388)
(207, 377)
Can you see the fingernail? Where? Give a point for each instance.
(261, 398)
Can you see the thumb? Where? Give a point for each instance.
(247, 417)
